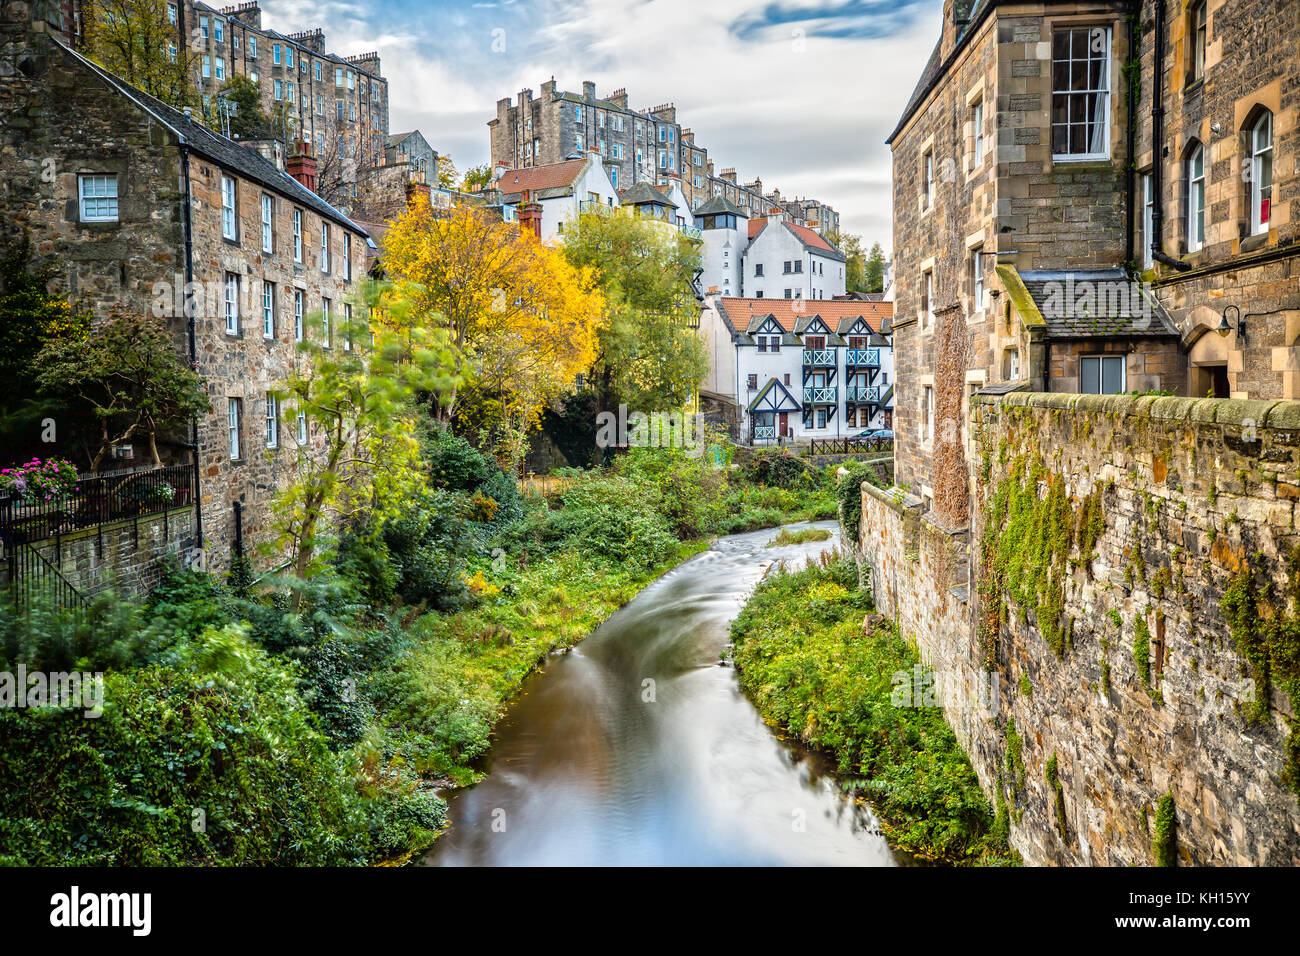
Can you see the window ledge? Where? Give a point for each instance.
(1252, 243)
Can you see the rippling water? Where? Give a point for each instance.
(637, 748)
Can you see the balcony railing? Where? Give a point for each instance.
(862, 393)
(863, 357)
(593, 205)
(693, 232)
(819, 357)
(764, 431)
(820, 395)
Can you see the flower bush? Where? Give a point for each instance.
(39, 480)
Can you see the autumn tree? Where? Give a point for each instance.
(136, 40)
(130, 378)
(650, 356)
(497, 293)
(448, 177)
(476, 177)
(357, 402)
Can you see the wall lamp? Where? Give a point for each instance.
(1225, 327)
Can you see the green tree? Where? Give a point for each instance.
(130, 378)
(874, 273)
(448, 177)
(248, 120)
(358, 403)
(136, 40)
(477, 177)
(650, 356)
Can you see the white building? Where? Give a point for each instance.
(796, 369)
(787, 261)
(563, 190)
(725, 229)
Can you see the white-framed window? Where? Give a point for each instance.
(171, 52)
(325, 322)
(977, 128)
(1148, 219)
(232, 304)
(229, 221)
(276, 55)
(268, 310)
(254, 77)
(221, 68)
(206, 65)
(234, 412)
(347, 327)
(1261, 173)
(268, 234)
(1102, 374)
(1196, 18)
(219, 30)
(927, 299)
(338, 76)
(289, 91)
(927, 178)
(288, 56)
(318, 71)
(97, 197)
(347, 257)
(1196, 199)
(171, 13)
(272, 421)
(203, 27)
(297, 235)
(302, 428)
(297, 314)
(977, 278)
(927, 400)
(278, 90)
(325, 247)
(1081, 93)
(252, 46)
(1013, 365)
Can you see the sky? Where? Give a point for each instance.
(801, 93)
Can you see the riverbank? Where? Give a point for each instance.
(804, 658)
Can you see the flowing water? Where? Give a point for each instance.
(637, 748)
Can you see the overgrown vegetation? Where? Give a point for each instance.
(803, 658)
(785, 536)
(1164, 842)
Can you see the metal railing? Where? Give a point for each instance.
(819, 357)
(862, 393)
(33, 577)
(820, 395)
(849, 446)
(692, 232)
(593, 205)
(97, 500)
(764, 431)
(869, 358)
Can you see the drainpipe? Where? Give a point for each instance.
(1134, 52)
(187, 208)
(1157, 146)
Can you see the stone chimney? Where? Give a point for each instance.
(499, 169)
(302, 165)
(775, 216)
(588, 91)
(418, 192)
(530, 216)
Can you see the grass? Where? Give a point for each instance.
(785, 536)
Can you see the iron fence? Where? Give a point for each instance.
(849, 446)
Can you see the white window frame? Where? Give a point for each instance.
(347, 257)
(1196, 198)
(297, 235)
(229, 209)
(325, 248)
(977, 122)
(977, 279)
(1200, 38)
(325, 322)
(347, 326)
(302, 427)
(233, 415)
(1261, 168)
(1102, 361)
(927, 399)
(272, 421)
(268, 233)
(92, 187)
(268, 310)
(927, 178)
(1148, 218)
(299, 305)
(1071, 93)
(252, 47)
(231, 303)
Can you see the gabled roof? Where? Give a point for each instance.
(1096, 303)
(534, 179)
(815, 241)
(720, 205)
(774, 397)
(740, 314)
(755, 227)
(642, 193)
(226, 153)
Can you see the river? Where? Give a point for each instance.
(638, 748)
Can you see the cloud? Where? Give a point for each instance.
(801, 94)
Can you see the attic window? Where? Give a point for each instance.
(98, 197)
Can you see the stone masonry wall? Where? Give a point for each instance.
(1187, 493)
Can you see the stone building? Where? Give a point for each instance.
(639, 146)
(143, 208)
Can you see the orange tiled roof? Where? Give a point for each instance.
(832, 311)
(811, 237)
(534, 178)
(756, 226)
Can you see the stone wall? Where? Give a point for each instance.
(1140, 515)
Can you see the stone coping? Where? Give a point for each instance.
(116, 524)
(1262, 413)
(894, 498)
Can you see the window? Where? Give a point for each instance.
(1101, 374)
(821, 418)
(232, 304)
(253, 77)
(297, 235)
(752, 381)
(219, 30)
(762, 343)
(338, 109)
(268, 310)
(171, 13)
(1148, 219)
(927, 300)
(347, 327)
(338, 76)
(1197, 21)
(927, 398)
(325, 322)
(1196, 199)
(297, 314)
(324, 247)
(977, 129)
(288, 91)
(787, 293)
(267, 235)
(279, 90)
(229, 222)
(1013, 365)
(275, 53)
(221, 68)
(347, 257)
(1261, 173)
(927, 178)
(798, 265)
(98, 197)
(302, 428)
(758, 270)
(272, 421)
(351, 78)
(977, 279)
(206, 68)
(234, 412)
(1081, 93)
(288, 56)
(171, 52)
(203, 27)
(252, 46)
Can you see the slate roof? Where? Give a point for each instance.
(227, 153)
(720, 205)
(1096, 303)
(642, 193)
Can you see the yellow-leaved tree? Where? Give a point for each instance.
(524, 320)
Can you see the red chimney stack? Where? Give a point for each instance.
(530, 215)
(302, 165)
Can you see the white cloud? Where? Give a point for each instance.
(761, 84)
